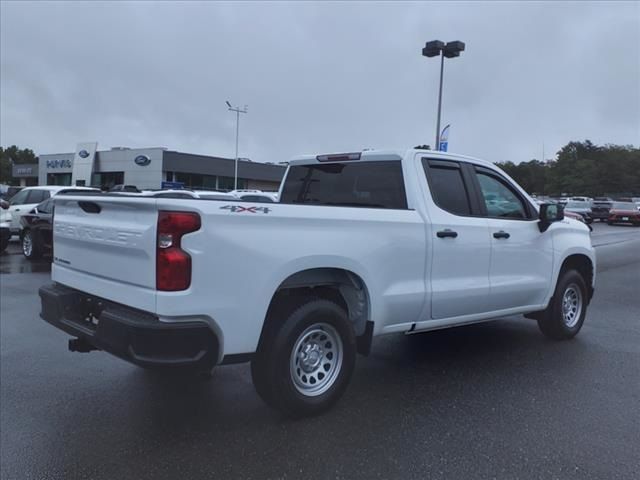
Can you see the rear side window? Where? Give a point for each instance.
(358, 184)
(20, 198)
(447, 186)
(37, 196)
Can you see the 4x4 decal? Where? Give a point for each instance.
(241, 209)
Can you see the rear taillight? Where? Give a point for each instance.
(173, 265)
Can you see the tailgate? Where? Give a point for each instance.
(102, 241)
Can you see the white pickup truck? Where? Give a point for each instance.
(359, 245)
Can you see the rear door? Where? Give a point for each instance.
(43, 223)
(459, 273)
(522, 256)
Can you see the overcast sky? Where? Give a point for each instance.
(318, 77)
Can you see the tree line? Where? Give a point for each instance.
(582, 168)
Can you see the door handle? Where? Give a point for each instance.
(447, 233)
(501, 234)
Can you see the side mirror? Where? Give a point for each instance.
(4, 204)
(549, 213)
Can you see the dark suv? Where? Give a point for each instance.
(600, 208)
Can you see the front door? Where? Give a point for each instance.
(521, 257)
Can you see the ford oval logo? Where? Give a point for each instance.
(83, 154)
(142, 160)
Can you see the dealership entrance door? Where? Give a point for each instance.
(107, 180)
(59, 179)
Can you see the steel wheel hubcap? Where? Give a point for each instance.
(571, 305)
(316, 359)
(27, 245)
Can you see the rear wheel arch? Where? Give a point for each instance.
(341, 286)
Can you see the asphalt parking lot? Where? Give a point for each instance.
(496, 400)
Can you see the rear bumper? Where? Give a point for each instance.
(133, 335)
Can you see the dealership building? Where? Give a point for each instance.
(151, 168)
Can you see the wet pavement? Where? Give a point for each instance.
(496, 400)
(13, 261)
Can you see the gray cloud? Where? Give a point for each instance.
(318, 77)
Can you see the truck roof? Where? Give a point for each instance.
(381, 155)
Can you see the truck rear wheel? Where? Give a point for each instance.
(304, 366)
(565, 314)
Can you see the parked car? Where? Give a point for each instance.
(27, 198)
(624, 212)
(36, 225)
(212, 195)
(5, 225)
(578, 217)
(36, 237)
(203, 194)
(124, 189)
(600, 208)
(580, 207)
(255, 195)
(377, 242)
(581, 199)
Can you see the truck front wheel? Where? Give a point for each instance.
(565, 314)
(303, 366)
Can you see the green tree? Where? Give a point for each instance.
(582, 168)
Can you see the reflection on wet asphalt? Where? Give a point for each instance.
(12, 261)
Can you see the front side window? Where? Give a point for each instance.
(378, 184)
(499, 198)
(447, 187)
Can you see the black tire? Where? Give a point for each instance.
(282, 387)
(609, 223)
(556, 322)
(34, 252)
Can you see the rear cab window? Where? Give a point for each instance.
(367, 184)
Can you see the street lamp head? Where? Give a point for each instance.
(453, 49)
(228, 104)
(433, 48)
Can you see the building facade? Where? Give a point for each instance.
(26, 173)
(152, 168)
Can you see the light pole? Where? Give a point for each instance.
(449, 50)
(238, 111)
